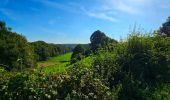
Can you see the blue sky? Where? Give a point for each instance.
(73, 21)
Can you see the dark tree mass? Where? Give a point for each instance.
(45, 50)
(100, 40)
(15, 51)
(165, 29)
(78, 53)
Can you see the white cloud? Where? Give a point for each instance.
(108, 9)
(126, 8)
(101, 16)
(78, 8)
(136, 7)
(140, 1)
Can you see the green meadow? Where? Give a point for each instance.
(56, 64)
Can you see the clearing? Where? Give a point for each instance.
(56, 64)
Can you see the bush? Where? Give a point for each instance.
(16, 53)
(140, 65)
(78, 53)
(78, 84)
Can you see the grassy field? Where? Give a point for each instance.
(86, 62)
(61, 63)
(55, 64)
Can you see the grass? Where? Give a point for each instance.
(55, 60)
(61, 63)
(58, 68)
(87, 62)
(56, 64)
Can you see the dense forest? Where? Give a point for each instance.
(136, 68)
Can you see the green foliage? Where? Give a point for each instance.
(144, 60)
(105, 68)
(78, 84)
(16, 53)
(86, 86)
(57, 64)
(57, 68)
(55, 60)
(100, 40)
(2, 70)
(78, 49)
(140, 65)
(162, 92)
(27, 85)
(44, 50)
(78, 53)
(88, 62)
(165, 29)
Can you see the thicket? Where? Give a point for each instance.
(141, 66)
(15, 51)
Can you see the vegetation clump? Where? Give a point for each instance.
(15, 52)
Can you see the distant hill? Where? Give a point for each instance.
(69, 46)
(72, 46)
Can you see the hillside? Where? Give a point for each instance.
(72, 46)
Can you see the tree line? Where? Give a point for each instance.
(16, 53)
(45, 50)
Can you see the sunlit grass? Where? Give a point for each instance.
(61, 63)
(55, 60)
(87, 62)
(55, 64)
(58, 68)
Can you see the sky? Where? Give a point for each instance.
(73, 21)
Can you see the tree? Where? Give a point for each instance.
(13, 47)
(165, 29)
(97, 40)
(78, 49)
(78, 53)
(40, 49)
(2, 26)
(100, 40)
